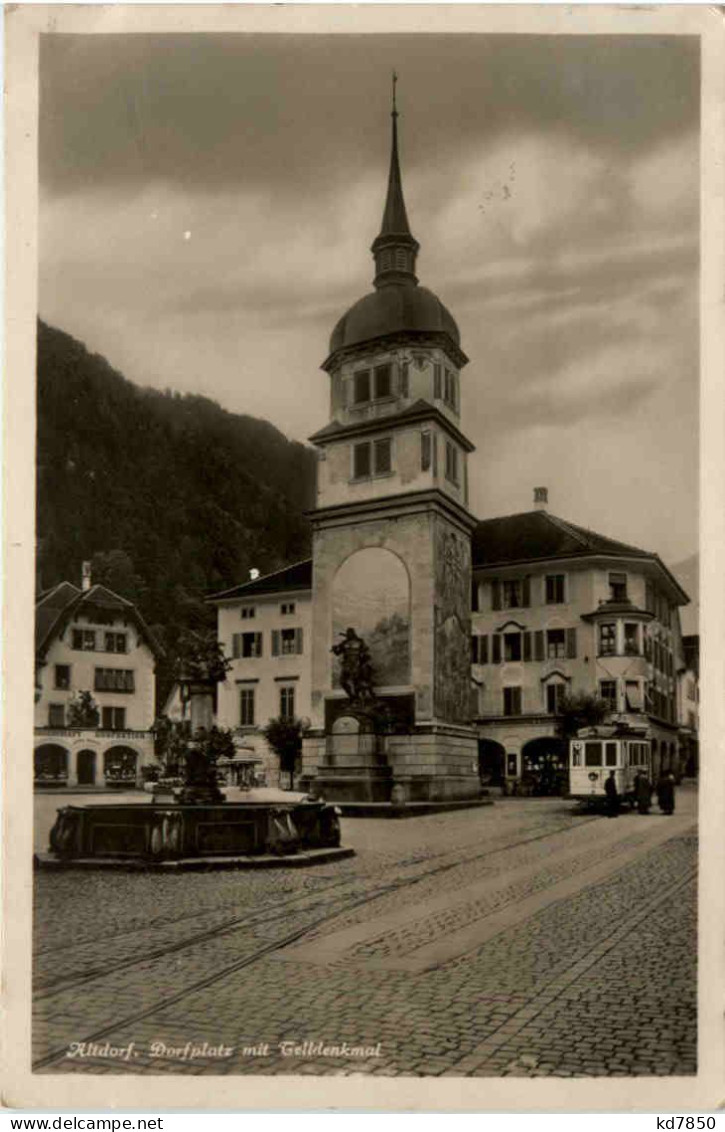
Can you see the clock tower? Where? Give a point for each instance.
(391, 527)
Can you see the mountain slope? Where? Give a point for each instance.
(171, 496)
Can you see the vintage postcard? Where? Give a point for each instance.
(364, 544)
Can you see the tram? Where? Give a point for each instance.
(598, 750)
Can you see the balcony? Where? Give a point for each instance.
(97, 732)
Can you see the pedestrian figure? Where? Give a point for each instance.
(666, 792)
(642, 792)
(610, 789)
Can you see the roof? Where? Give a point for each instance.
(419, 410)
(295, 577)
(395, 309)
(55, 608)
(537, 536)
(607, 608)
(49, 607)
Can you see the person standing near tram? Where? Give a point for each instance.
(666, 792)
(642, 792)
(612, 796)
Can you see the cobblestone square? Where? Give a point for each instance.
(523, 939)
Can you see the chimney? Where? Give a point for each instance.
(541, 498)
(85, 576)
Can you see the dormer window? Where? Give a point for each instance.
(618, 587)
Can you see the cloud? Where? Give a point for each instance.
(557, 223)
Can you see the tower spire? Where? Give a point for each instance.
(395, 248)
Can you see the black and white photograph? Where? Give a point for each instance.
(367, 554)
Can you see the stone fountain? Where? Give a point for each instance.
(195, 826)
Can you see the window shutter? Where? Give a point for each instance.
(236, 645)
(275, 642)
(527, 646)
(496, 648)
(483, 650)
(539, 644)
(258, 644)
(495, 594)
(571, 643)
(298, 641)
(474, 649)
(526, 591)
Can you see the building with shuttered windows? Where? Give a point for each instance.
(556, 610)
(264, 628)
(559, 610)
(92, 645)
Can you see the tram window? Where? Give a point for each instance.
(610, 754)
(576, 755)
(593, 754)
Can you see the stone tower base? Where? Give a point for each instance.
(437, 762)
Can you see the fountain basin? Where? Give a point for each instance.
(206, 835)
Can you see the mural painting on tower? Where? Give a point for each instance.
(371, 593)
(452, 624)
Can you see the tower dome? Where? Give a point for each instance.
(396, 308)
(397, 305)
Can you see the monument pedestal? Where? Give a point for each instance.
(434, 762)
(355, 767)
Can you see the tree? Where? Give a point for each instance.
(580, 710)
(173, 741)
(83, 711)
(200, 656)
(285, 738)
(114, 569)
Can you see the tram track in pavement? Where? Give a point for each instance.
(410, 863)
(170, 921)
(59, 1053)
(47, 988)
(213, 977)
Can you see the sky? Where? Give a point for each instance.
(207, 205)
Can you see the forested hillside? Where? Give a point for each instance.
(170, 495)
